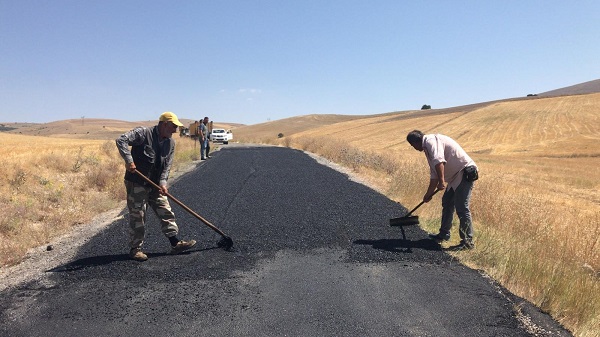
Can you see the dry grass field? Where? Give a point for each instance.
(536, 206)
(266, 132)
(86, 128)
(49, 184)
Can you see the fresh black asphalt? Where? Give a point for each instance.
(313, 255)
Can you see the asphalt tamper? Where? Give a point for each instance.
(408, 219)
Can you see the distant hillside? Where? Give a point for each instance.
(88, 128)
(293, 125)
(577, 89)
(308, 123)
(563, 126)
(289, 126)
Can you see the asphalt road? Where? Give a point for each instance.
(313, 256)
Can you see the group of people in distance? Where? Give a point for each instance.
(151, 155)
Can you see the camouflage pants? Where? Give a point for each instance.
(138, 198)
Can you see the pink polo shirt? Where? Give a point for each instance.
(443, 149)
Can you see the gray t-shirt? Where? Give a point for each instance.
(203, 129)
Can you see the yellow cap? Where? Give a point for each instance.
(170, 117)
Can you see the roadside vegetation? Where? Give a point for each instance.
(48, 185)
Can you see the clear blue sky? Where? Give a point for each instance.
(252, 61)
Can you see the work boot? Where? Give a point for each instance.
(138, 255)
(182, 246)
(463, 245)
(439, 237)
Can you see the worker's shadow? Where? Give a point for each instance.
(97, 261)
(400, 245)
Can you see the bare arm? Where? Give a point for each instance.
(430, 189)
(435, 184)
(439, 169)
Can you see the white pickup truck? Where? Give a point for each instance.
(221, 135)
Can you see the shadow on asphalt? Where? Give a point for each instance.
(97, 261)
(400, 245)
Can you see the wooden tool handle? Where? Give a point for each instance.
(181, 204)
(419, 205)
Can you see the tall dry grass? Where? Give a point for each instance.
(541, 244)
(540, 250)
(49, 185)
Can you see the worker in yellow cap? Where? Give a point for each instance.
(151, 154)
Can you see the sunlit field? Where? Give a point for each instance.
(50, 185)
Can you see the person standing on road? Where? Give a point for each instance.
(452, 170)
(208, 132)
(152, 155)
(203, 137)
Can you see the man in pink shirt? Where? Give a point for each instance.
(452, 170)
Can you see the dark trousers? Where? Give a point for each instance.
(458, 200)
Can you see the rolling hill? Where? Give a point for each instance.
(290, 126)
(589, 87)
(565, 125)
(89, 128)
(353, 128)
